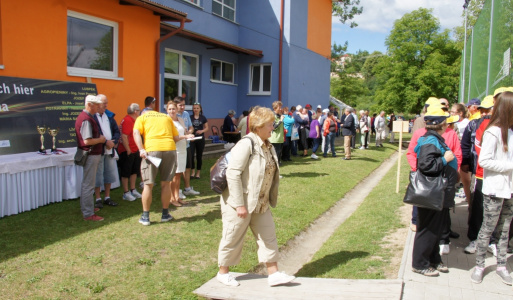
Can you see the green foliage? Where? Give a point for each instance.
(421, 62)
(346, 10)
(473, 10)
(336, 53)
(104, 53)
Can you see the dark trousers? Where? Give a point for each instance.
(293, 147)
(278, 147)
(316, 144)
(197, 148)
(476, 211)
(426, 248)
(446, 231)
(285, 152)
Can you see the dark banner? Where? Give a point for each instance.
(26, 104)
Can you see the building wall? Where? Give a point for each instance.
(319, 27)
(34, 37)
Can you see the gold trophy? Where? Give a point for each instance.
(53, 133)
(42, 130)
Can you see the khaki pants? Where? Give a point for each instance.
(347, 145)
(234, 230)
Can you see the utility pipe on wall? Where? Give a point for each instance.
(280, 67)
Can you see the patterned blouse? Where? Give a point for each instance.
(270, 168)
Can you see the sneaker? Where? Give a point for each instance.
(445, 249)
(278, 278)
(454, 235)
(471, 248)
(144, 221)
(181, 195)
(93, 218)
(313, 156)
(477, 275)
(96, 209)
(362, 148)
(504, 275)
(136, 194)
(430, 272)
(98, 203)
(492, 248)
(167, 218)
(442, 268)
(109, 202)
(128, 196)
(227, 279)
(190, 191)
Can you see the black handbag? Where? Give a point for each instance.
(81, 157)
(426, 191)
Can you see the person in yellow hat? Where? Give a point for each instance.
(419, 122)
(431, 155)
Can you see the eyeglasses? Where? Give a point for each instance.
(444, 103)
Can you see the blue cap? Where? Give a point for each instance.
(474, 101)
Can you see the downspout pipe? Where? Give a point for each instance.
(157, 69)
(281, 52)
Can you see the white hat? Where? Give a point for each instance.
(325, 110)
(319, 106)
(93, 99)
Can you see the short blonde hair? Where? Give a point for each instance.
(277, 104)
(259, 116)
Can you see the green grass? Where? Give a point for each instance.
(52, 253)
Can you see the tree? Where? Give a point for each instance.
(346, 10)
(336, 53)
(421, 62)
(103, 59)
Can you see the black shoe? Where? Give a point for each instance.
(109, 202)
(98, 204)
(454, 235)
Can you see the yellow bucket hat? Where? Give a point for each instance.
(435, 114)
(432, 101)
(453, 119)
(499, 90)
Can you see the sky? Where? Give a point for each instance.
(378, 17)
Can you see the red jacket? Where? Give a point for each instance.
(477, 143)
(451, 140)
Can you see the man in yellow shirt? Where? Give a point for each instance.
(473, 109)
(160, 135)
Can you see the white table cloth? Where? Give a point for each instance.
(30, 180)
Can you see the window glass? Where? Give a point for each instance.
(91, 45)
(255, 79)
(189, 92)
(228, 13)
(170, 89)
(261, 75)
(267, 79)
(230, 3)
(217, 8)
(171, 63)
(227, 72)
(224, 8)
(215, 70)
(189, 65)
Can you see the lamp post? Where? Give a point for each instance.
(465, 6)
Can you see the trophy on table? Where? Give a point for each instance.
(53, 133)
(42, 130)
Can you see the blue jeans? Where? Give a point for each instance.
(316, 144)
(330, 140)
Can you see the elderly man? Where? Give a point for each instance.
(229, 126)
(107, 172)
(89, 139)
(379, 124)
(160, 135)
(129, 159)
(348, 131)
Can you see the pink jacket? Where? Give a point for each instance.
(451, 140)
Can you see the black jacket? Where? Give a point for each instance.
(348, 128)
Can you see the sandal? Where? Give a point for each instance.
(196, 177)
(180, 201)
(430, 272)
(177, 204)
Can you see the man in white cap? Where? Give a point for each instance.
(89, 139)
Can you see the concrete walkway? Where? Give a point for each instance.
(456, 284)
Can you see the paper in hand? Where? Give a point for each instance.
(154, 160)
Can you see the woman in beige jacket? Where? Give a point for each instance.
(253, 179)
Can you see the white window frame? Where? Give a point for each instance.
(261, 87)
(222, 10)
(74, 71)
(193, 2)
(181, 77)
(221, 80)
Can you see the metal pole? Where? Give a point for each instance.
(470, 66)
(489, 50)
(462, 98)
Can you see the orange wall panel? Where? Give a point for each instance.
(319, 27)
(34, 38)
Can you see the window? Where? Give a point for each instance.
(195, 2)
(224, 8)
(221, 71)
(181, 76)
(260, 79)
(92, 46)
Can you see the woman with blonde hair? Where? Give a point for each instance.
(253, 178)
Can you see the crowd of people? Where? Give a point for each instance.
(471, 146)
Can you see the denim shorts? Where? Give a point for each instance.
(107, 171)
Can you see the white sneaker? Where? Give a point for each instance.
(362, 148)
(492, 248)
(136, 194)
(181, 195)
(314, 156)
(128, 196)
(278, 278)
(471, 248)
(445, 249)
(190, 191)
(227, 279)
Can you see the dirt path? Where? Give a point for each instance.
(302, 248)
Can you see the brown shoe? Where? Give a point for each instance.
(93, 218)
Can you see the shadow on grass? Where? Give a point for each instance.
(365, 159)
(328, 263)
(210, 216)
(304, 174)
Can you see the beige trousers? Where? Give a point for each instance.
(347, 145)
(234, 230)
